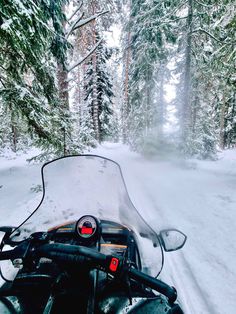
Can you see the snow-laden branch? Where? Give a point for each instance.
(74, 13)
(2, 80)
(89, 19)
(204, 5)
(85, 57)
(209, 34)
(73, 26)
(78, 23)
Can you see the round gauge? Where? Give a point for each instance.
(87, 226)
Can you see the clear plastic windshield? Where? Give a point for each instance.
(90, 185)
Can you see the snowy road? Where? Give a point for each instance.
(196, 197)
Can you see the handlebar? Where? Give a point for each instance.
(156, 284)
(80, 254)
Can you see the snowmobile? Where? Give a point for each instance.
(85, 248)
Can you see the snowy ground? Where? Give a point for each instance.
(197, 197)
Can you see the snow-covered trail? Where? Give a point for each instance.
(195, 197)
(19, 181)
(198, 198)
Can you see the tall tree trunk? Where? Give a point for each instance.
(95, 93)
(79, 87)
(160, 109)
(125, 106)
(232, 120)
(222, 124)
(148, 102)
(14, 137)
(95, 100)
(95, 110)
(62, 77)
(186, 103)
(194, 114)
(13, 130)
(62, 80)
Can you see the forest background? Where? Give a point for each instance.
(167, 87)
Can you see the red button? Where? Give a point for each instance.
(114, 264)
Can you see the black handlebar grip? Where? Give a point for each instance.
(154, 283)
(47, 249)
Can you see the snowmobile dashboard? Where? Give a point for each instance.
(107, 236)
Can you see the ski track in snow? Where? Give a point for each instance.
(195, 197)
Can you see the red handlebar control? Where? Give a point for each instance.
(114, 264)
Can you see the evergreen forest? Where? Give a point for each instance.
(159, 76)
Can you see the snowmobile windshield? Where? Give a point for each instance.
(74, 186)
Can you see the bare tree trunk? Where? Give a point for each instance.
(232, 119)
(160, 118)
(148, 102)
(125, 107)
(96, 123)
(79, 88)
(14, 137)
(62, 80)
(95, 100)
(62, 77)
(222, 124)
(186, 104)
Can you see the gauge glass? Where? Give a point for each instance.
(86, 227)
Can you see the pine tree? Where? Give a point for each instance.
(103, 89)
(205, 90)
(151, 32)
(27, 86)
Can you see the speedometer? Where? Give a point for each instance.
(87, 227)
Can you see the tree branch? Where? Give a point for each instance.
(2, 80)
(85, 57)
(74, 13)
(204, 5)
(78, 23)
(72, 28)
(206, 32)
(89, 19)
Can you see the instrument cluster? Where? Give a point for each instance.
(109, 237)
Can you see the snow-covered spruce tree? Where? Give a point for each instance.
(83, 132)
(79, 16)
(27, 85)
(151, 32)
(224, 30)
(98, 82)
(13, 135)
(205, 90)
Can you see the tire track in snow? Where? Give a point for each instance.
(190, 295)
(193, 299)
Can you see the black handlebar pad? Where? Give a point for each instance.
(5, 255)
(73, 253)
(47, 249)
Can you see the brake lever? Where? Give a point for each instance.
(22, 251)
